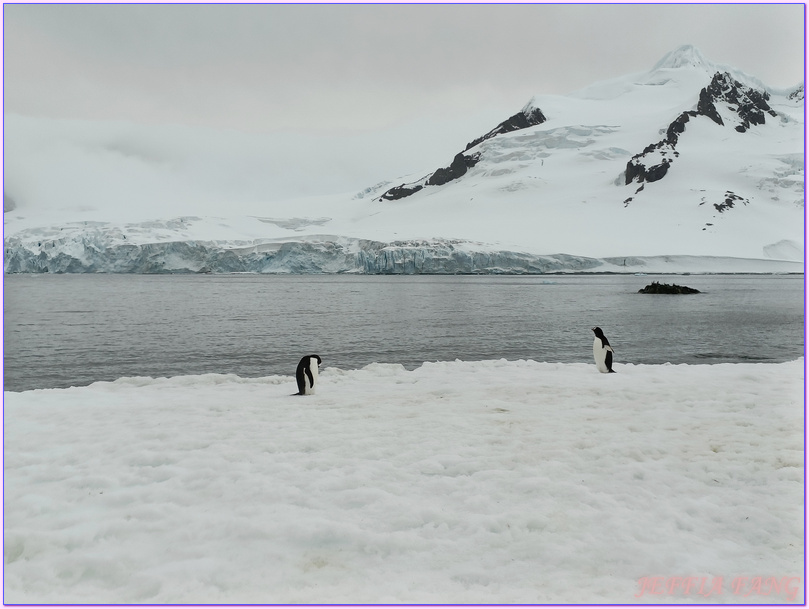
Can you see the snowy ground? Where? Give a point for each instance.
(458, 482)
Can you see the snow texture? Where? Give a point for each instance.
(457, 482)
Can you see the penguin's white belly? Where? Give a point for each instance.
(600, 355)
(309, 388)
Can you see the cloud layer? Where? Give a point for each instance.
(349, 68)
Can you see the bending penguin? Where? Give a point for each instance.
(306, 374)
(602, 352)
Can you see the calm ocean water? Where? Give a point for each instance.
(64, 330)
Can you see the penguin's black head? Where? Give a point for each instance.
(317, 357)
(597, 331)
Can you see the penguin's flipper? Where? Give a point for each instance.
(608, 360)
(311, 378)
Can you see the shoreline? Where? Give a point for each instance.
(332, 371)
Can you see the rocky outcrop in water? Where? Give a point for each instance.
(665, 288)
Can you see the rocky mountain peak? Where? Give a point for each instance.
(748, 103)
(529, 116)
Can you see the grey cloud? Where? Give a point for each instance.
(266, 67)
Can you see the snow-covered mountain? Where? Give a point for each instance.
(689, 166)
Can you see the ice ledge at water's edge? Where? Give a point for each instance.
(330, 254)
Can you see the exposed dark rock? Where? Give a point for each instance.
(637, 170)
(459, 165)
(706, 107)
(678, 126)
(634, 171)
(648, 174)
(522, 120)
(656, 172)
(797, 95)
(749, 104)
(399, 192)
(528, 117)
(729, 202)
(665, 288)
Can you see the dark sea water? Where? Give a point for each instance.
(65, 330)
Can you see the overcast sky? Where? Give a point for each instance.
(271, 102)
(349, 68)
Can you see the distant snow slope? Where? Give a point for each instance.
(688, 159)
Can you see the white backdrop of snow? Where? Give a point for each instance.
(457, 482)
(552, 188)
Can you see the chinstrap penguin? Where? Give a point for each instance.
(306, 374)
(602, 352)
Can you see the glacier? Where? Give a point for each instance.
(105, 250)
(689, 167)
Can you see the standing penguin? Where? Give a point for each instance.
(306, 374)
(602, 352)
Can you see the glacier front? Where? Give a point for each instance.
(104, 249)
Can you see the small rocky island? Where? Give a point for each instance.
(665, 288)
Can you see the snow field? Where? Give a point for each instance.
(458, 482)
(94, 189)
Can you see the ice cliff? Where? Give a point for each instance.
(105, 250)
